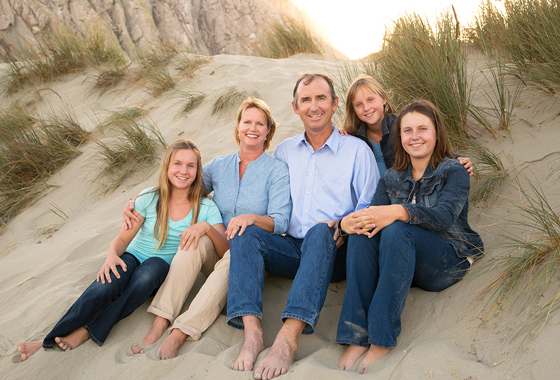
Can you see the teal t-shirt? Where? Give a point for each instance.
(144, 244)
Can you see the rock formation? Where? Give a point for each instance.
(203, 26)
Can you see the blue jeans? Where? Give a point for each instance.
(101, 306)
(309, 261)
(380, 272)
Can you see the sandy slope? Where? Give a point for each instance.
(42, 274)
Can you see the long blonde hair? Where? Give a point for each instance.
(352, 122)
(197, 190)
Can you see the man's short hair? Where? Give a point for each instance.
(310, 77)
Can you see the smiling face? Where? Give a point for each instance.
(418, 136)
(315, 105)
(252, 129)
(182, 169)
(368, 106)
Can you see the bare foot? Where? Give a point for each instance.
(72, 340)
(170, 346)
(28, 349)
(253, 346)
(158, 328)
(282, 353)
(374, 353)
(350, 356)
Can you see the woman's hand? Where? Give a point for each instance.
(373, 219)
(128, 214)
(109, 266)
(192, 234)
(466, 162)
(238, 224)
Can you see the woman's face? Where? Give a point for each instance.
(182, 169)
(418, 135)
(252, 129)
(369, 107)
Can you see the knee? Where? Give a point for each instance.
(251, 236)
(151, 273)
(396, 230)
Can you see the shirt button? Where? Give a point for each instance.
(305, 210)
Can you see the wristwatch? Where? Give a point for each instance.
(339, 229)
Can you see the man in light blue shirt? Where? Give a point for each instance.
(330, 176)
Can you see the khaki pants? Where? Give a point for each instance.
(209, 301)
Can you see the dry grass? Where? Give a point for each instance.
(285, 38)
(526, 277)
(135, 150)
(230, 99)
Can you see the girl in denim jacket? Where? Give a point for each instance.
(415, 232)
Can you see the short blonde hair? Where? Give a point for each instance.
(266, 114)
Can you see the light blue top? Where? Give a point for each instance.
(144, 244)
(338, 178)
(263, 190)
(378, 153)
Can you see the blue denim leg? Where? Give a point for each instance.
(92, 301)
(309, 289)
(252, 253)
(404, 252)
(362, 272)
(144, 282)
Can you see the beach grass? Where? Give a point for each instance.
(489, 175)
(191, 101)
(287, 37)
(526, 33)
(229, 99)
(188, 64)
(525, 278)
(135, 150)
(35, 148)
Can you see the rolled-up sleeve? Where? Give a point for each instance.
(279, 200)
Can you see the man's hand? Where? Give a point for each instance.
(128, 214)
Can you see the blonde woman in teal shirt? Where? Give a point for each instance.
(138, 258)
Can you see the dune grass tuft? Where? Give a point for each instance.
(134, 151)
(121, 117)
(527, 33)
(229, 99)
(188, 64)
(192, 101)
(33, 149)
(152, 68)
(526, 278)
(285, 38)
(490, 174)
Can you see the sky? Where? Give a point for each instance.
(356, 27)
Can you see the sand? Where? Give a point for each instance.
(47, 260)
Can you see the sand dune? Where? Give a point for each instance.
(47, 261)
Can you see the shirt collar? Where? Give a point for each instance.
(407, 175)
(384, 128)
(332, 142)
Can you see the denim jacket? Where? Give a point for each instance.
(386, 142)
(441, 203)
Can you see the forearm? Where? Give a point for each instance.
(265, 222)
(221, 244)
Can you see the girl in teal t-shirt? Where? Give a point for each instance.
(138, 258)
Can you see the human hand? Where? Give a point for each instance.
(343, 132)
(467, 163)
(192, 234)
(238, 224)
(109, 266)
(128, 214)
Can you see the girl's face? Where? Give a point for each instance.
(252, 128)
(182, 169)
(418, 135)
(369, 107)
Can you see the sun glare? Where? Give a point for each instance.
(356, 27)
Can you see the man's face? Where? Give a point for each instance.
(315, 105)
